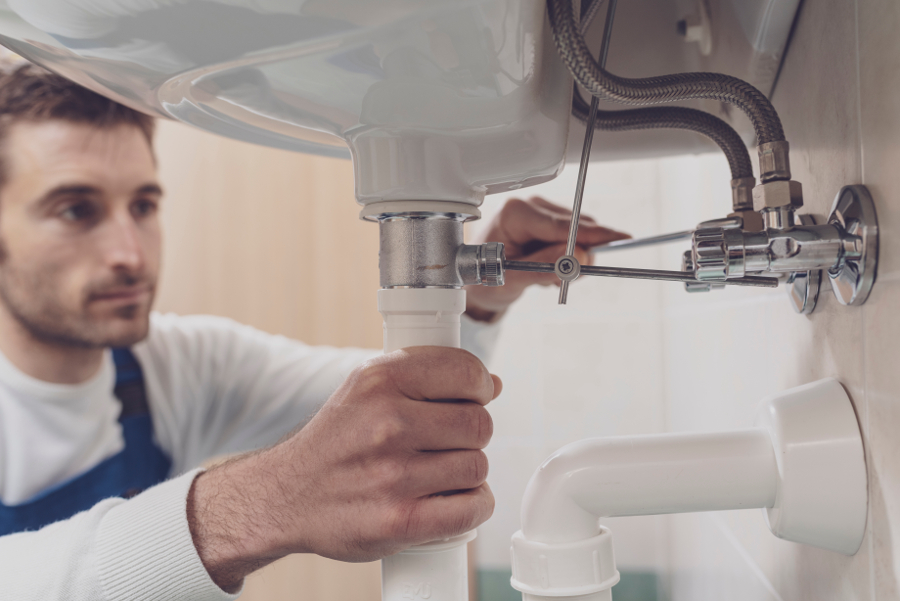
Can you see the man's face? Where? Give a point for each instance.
(79, 233)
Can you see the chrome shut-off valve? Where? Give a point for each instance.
(845, 247)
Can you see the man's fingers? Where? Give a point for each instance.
(446, 471)
(584, 257)
(448, 425)
(548, 254)
(526, 222)
(444, 516)
(432, 373)
(498, 386)
(591, 234)
(550, 206)
(559, 209)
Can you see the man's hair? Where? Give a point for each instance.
(29, 93)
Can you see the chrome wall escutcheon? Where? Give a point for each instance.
(854, 212)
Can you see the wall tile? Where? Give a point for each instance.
(882, 349)
(708, 563)
(797, 571)
(715, 360)
(826, 344)
(818, 101)
(601, 380)
(764, 347)
(879, 59)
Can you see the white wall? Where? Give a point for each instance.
(628, 357)
(591, 368)
(838, 98)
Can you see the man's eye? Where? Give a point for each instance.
(82, 211)
(144, 208)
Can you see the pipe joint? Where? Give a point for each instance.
(426, 250)
(584, 568)
(774, 161)
(742, 193)
(481, 264)
(420, 250)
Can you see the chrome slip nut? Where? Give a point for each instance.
(492, 259)
(775, 195)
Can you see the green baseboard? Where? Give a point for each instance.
(635, 585)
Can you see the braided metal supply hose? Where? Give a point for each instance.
(589, 10)
(674, 117)
(657, 90)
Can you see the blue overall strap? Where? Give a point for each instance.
(140, 465)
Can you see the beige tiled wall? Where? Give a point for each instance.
(634, 357)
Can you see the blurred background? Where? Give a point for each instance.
(272, 239)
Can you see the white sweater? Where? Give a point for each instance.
(214, 387)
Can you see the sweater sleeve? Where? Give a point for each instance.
(218, 387)
(119, 550)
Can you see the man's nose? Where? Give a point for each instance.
(123, 248)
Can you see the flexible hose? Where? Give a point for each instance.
(657, 90)
(674, 117)
(589, 10)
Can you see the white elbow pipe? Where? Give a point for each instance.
(647, 475)
(804, 464)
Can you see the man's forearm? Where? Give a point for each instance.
(362, 479)
(229, 514)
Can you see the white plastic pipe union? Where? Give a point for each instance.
(421, 316)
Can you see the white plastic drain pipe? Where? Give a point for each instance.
(436, 571)
(421, 316)
(804, 464)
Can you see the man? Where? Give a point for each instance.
(85, 434)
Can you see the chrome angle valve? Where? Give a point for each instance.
(793, 246)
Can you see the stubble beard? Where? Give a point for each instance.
(35, 303)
